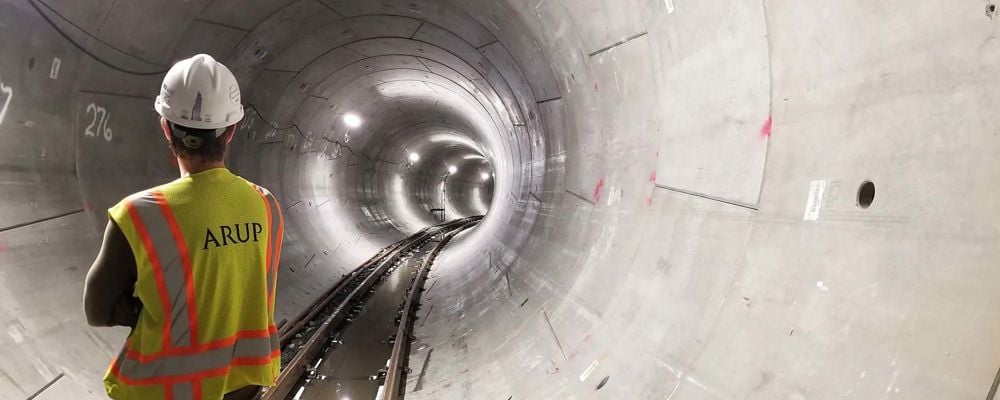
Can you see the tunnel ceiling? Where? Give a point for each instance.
(425, 79)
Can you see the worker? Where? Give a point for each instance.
(191, 265)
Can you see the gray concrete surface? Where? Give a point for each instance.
(674, 205)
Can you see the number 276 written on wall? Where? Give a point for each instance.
(99, 122)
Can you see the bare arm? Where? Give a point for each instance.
(107, 294)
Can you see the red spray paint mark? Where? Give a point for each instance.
(86, 207)
(597, 191)
(652, 185)
(3, 247)
(765, 131)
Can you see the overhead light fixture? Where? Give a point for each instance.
(414, 157)
(352, 120)
(452, 169)
(485, 176)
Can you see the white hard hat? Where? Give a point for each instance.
(200, 93)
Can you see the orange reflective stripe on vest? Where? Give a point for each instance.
(167, 252)
(208, 295)
(274, 243)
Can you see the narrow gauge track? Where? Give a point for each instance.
(396, 370)
(313, 332)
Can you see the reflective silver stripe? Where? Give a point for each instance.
(276, 218)
(173, 270)
(182, 391)
(186, 364)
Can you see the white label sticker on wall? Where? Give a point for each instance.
(815, 200)
(590, 370)
(54, 71)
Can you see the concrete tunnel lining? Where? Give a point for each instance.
(645, 228)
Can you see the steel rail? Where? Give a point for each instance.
(298, 365)
(289, 330)
(394, 377)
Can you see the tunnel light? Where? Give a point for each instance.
(485, 176)
(414, 157)
(452, 169)
(352, 120)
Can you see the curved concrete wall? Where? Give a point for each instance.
(674, 209)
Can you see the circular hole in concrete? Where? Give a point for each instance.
(866, 194)
(602, 383)
(31, 63)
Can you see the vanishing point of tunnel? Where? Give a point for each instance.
(683, 199)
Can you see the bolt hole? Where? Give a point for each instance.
(991, 8)
(31, 63)
(866, 194)
(602, 383)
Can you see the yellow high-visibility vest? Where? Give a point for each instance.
(206, 248)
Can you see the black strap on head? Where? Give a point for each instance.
(194, 138)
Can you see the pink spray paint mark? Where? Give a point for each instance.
(86, 207)
(597, 191)
(3, 247)
(765, 130)
(652, 181)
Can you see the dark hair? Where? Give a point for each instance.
(188, 142)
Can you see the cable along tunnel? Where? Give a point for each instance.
(685, 200)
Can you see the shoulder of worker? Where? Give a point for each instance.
(260, 189)
(142, 194)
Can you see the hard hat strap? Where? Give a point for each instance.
(194, 138)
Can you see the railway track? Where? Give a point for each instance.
(313, 335)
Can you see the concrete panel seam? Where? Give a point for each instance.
(707, 197)
(993, 389)
(618, 43)
(423, 370)
(150, 98)
(86, 51)
(40, 220)
(770, 98)
(47, 385)
(329, 7)
(422, 22)
(591, 202)
(487, 44)
(224, 25)
(554, 336)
